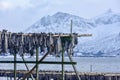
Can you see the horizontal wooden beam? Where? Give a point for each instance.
(84, 35)
(44, 62)
(58, 34)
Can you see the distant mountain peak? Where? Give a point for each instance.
(109, 11)
(61, 13)
(109, 17)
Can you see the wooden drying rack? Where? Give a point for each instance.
(37, 62)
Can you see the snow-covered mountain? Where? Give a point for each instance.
(60, 22)
(108, 17)
(105, 29)
(104, 41)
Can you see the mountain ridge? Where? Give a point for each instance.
(60, 19)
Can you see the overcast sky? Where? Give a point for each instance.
(17, 15)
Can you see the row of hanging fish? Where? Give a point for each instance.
(19, 43)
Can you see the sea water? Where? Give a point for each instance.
(84, 64)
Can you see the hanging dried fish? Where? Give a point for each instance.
(20, 43)
(50, 43)
(0, 42)
(4, 41)
(59, 46)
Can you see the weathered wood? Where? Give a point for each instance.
(84, 35)
(71, 27)
(55, 75)
(71, 51)
(27, 67)
(25, 76)
(43, 62)
(57, 34)
(37, 65)
(63, 78)
(17, 42)
(74, 67)
(15, 66)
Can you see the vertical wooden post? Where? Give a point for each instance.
(7, 77)
(10, 78)
(69, 54)
(15, 66)
(27, 78)
(71, 27)
(91, 68)
(63, 76)
(37, 65)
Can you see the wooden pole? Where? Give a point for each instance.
(71, 49)
(27, 74)
(43, 62)
(74, 67)
(63, 76)
(37, 65)
(27, 67)
(15, 66)
(71, 27)
(91, 68)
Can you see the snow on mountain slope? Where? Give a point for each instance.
(105, 41)
(60, 22)
(108, 17)
(105, 29)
